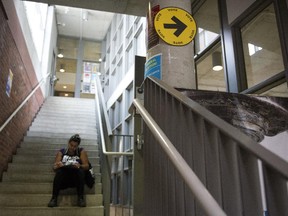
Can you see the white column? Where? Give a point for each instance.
(177, 61)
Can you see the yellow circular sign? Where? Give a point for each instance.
(175, 26)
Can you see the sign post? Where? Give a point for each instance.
(170, 33)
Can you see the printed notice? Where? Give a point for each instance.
(9, 83)
(153, 67)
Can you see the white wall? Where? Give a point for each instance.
(277, 144)
(41, 66)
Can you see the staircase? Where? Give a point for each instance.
(26, 187)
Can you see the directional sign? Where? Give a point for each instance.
(175, 26)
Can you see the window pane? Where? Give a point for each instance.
(208, 27)
(92, 51)
(36, 14)
(261, 44)
(278, 91)
(207, 78)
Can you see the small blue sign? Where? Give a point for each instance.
(9, 83)
(153, 67)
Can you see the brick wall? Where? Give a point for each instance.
(14, 56)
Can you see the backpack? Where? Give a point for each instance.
(89, 174)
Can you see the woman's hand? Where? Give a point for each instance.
(76, 165)
(58, 165)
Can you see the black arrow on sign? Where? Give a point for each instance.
(178, 25)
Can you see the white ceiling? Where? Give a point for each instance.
(130, 7)
(82, 23)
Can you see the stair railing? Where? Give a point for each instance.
(106, 137)
(43, 80)
(205, 199)
(207, 152)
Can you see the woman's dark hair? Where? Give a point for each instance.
(75, 138)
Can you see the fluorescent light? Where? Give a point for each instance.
(217, 61)
(60, 55)
(62, 70)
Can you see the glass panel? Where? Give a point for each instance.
(209, 79)
(36, 14)
(92, 51)
(208, 27)
(278, 91)
(261, 45)
(68, 47)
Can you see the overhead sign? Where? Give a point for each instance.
(175, 26)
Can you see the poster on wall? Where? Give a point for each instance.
(86, 77)
(9, 83)
(153, 67)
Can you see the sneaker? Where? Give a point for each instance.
(81, 202)
(52, 203)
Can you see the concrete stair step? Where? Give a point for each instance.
(55, 146)
(40, 200)
(39, 159)
(72, 103)
(59, 211)
(60, 129)
(58, 140)
(57, 134)
(65, 100)
(49, 152)
(42, 188)
(34, 177)
(63, 139)
(68, 110)
(66, 123)
(73, 116)
(37, 168)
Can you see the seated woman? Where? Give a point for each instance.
(70, 166)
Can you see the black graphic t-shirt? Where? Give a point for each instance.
(69, 160)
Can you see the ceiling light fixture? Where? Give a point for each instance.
(66, 95)
(100, 59)
(217, 61)
(64, 87)
(66, 10)
(85, 15)
(60, 54)
(61, 24)
(62, 70)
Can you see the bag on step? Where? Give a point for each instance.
(90, 177)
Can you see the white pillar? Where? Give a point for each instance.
(177, 61)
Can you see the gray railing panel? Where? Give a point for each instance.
(213, 172)
(250, 183)
(231, 190)
(276, 191)
(187, 138)
(223, 158)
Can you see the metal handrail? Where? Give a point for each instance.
(22, 104)
(105, 152)
(210, 206)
